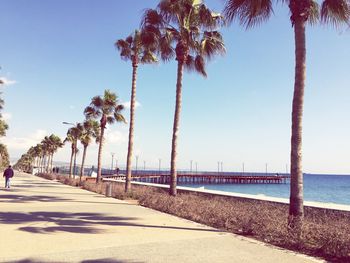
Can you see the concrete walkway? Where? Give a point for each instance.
(45, 221)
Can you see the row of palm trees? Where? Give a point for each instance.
(187, 30)
(4, 156)
(40, 155)
(106, 109)
(101, 111)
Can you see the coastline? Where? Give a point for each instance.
(332, 206)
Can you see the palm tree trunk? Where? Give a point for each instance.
(173, 171)
(99, 157)
(48, 163)
(131, 129)
(51, 163)
(82, 163)
(296, 208)
(75, 162)
(44, 163)
(71, 162)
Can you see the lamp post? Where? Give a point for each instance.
(196, 167)
(137, 160)
(266, 168)
(160, 162)
(191, 166)
(112, 161)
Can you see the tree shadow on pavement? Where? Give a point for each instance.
(85, 223)
(100, 260)
(14, 198)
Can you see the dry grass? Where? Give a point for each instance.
(326, 233)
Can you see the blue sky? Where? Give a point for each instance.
(57, 55)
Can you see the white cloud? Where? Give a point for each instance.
(127, 104)
(7, 82)
(116, 137)
(6, 116)
(24, 143)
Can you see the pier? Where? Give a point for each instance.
(188, 178)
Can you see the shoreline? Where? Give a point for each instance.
(315, 204)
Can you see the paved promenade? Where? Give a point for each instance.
(45, 221)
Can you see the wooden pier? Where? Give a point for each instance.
(187, 178)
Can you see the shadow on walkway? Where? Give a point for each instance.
(85, 223)
(101, 260)
(15, 198)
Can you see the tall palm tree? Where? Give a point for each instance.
(55, 144)
(108, 110)
(46, 149)
(72, 137)
(138, 48)
(37, 154)
(188, 32)
(91, 129)
(4, 156)
(252, 12)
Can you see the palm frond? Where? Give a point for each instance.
(119, 117)
(151, 17)
(124, 48)
(314, 12)
(212, 44)
(91, 113)
(189, 65)
(110, 119)
(97, 102)
(199, 65)
(335, 12)
(148, 57)
(249, 13)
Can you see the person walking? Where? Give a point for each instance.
(8, 173)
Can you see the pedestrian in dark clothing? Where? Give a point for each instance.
(8, 174)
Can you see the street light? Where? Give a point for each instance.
(137, 160)
(160, 162)
(112, 161)
(191, 166)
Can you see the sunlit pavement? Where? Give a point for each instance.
(45, 221)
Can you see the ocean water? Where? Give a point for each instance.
(317, 187)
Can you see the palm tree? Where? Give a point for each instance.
(189, 33)
(55, 144)
(72, 137)
(108, 110)
(138, 48)
(4, 156)
(46, 149)
(3, 127)
(250, 13)
(91, 129)
(37, 154)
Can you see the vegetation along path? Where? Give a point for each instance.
(45, 221)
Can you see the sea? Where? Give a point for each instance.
(324, 188)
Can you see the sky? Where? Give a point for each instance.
(56, 55)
